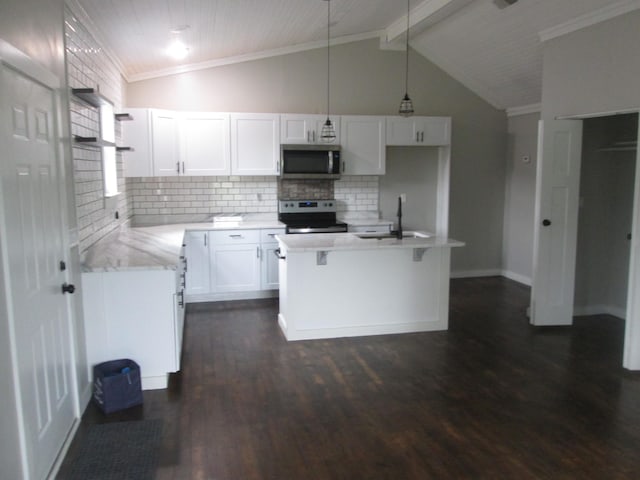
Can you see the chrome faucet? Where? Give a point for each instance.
(398, 232)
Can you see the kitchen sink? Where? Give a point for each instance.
(383, 236)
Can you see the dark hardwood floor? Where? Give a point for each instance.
(491, 398)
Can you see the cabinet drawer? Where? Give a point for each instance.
(227, 237)
(268, 235)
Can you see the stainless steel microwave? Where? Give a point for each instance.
(310, 161)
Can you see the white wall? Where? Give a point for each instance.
(414, 172)
(593, 70)
(520, 184)
(366, 80)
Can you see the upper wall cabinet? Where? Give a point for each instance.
(135, 133)
(418, 131)
(168, 143)
(164, 143)
(204, 143)
(363, 145)
(305, 129)
(255, 143)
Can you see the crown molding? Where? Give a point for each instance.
(524, 110)
(589, 19)
(220, 62)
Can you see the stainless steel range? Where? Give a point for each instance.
(310, 216)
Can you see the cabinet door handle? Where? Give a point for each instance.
(183, 168)
(417, 137)
(314, 136)
(237, 235)
(308, 136)
(178, 167)
(205, 239)
(422, 137)
(181, 295)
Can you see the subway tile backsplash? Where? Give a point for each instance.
(208, 195)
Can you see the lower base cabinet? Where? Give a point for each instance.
(136, 314)
(231, 264)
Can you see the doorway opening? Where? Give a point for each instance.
(605, 215)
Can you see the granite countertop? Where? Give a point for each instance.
(155, 247)
(350, 241)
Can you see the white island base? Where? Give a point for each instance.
(363, 290)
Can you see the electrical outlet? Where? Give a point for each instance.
(403, 197)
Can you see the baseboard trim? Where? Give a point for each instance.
(476, 273)
(516, 277)
(587, 310)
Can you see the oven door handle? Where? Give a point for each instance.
(278, 254)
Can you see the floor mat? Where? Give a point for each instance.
(119, 451)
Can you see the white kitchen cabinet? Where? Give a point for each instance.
(234, 257)
(418, 131)
(269, 267)
(299, 129)
(136, 133)
(205, 143)
(363, 145)
(255, 143)
(135, 314)
(197, 258)
(165, 143)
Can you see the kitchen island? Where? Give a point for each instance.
(342, 285)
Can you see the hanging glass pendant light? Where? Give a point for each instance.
(328, 132)
(406, 105)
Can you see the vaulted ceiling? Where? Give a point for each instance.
(493, 48)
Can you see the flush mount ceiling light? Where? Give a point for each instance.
(177, 48)
(406, 105)
(328, 132)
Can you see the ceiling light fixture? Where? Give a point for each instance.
(177, 48)
(328, 132)
(406, 105)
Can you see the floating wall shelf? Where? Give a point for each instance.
(123, 116)
(92, 141)
(91, 96)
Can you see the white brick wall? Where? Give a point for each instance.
(208, 195)
(89, 67)
(202, 195)
(357, 194)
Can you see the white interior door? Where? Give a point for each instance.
(556, 217)
(32, 232)
(631, 356)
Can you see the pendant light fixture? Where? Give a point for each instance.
(406, 105)
(328, 132)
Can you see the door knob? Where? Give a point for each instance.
(546, 222)
(68, 288)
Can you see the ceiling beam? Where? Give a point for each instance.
(425, 14)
